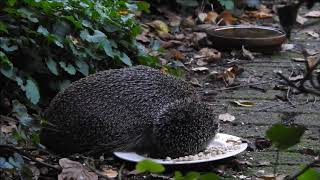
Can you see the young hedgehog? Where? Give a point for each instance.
(131, 109)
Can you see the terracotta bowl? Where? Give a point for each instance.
(258, 38)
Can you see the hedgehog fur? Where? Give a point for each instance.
(130, 109)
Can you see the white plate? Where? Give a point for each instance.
(220, 139)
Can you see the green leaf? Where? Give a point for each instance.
(107, 48)
(310, 174)
(149, 166)
(228, 4)
(11, 2)
(209, 176)
(32, 91)
(21, 113)
(28, 14)
(192, 176)
(125, 59)
(83, 67)
(97, 36)
(16, 160)
(35, 138)
(52, 66)
(3, 27)
(75, 22)
(284, 137)
(42, 30)
(143, 6)
(69, 68)
(4, 61)
(4, 164)
(178, 175)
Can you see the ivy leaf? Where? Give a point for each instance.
(125, 59)
(42, 30)
(32, 91)
(69, 68)
(4, 61)
(284, 137)
(107, 48)
(149, 166)
(192, 176)
(83, 67)
(11, 2)
(3, 27)
(228, 4)
(21, 113)
(95, 38)
(310, 174)
(4, 164)
(16, 160)
(5, 45)
(209, 176)
(75, 22)
(143, 6)
(52, 66)
(28, 14)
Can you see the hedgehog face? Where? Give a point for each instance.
(184, 127)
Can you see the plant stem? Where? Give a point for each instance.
(275, 169)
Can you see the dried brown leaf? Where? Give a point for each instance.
(75, 170)
(209, 55)
(314, 14)
(246, 53)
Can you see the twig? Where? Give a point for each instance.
(275, 169)
(29, 156)
(245, 85)
(303, 170)
(120, 171)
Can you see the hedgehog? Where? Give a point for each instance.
(136, 109)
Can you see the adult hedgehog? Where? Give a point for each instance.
(131, 109)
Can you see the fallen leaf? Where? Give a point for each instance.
(175, 54)
(229, 75)
(174, 20)
(244, 103)
(286, 47)
(200, 69)
(311, 52)
(312, 61)
(209, 55)
(197, 37)
(165, 35)
(226, 117)
(247, 53)
(200, 62)
(75, 170)
(211, 17)
(225, 17)
(262, 13)
(298, 59)
(313, 34)
(301, 20)
(109, 172)
(314, 14)
(9, 124)
(159, 26)
(188, 22)
(295, 78)
(202, 16)
(195, 82)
